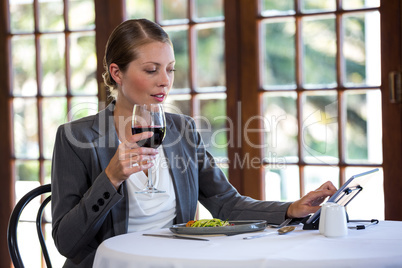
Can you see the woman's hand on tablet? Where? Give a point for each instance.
(311, 202)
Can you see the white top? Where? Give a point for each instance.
(151, 211)
(377, 246)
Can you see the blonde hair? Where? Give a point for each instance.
(121, 48)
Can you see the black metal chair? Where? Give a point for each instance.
(13, 224)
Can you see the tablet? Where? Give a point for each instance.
(343, 196)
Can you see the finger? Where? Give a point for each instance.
(136, 154)
(144, 151)
(330, 189)
(328, 185)
(141, 152)
(140, 166)
(315, 198)
(136, 159)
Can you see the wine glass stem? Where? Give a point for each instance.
(150, 176)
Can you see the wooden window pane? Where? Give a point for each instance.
(224, 168)
(81, 15)
(23, 66)
(22, 19)
(29, 171)
(56, 258)
(280, 124)
(275, 7)
(51, 15)
(211, 123)
(319, 45)
(278, 47)
(364, 126)
(174, 9)
(369, 203)
(140, 9)
(38, 61)
(318, 5)
(27, 178)
(53, 115)
(361, 49)
(335, 47)
(47, 213)
(320, 127)
(208, 8)
(26, 171)
(25, 128)
(179, 37)
(357, 4)
(83, 63)
(210, 57)
(179, 104)
(47, 165)
(83, 106)
(53, 64)
(314, 177)
(28, 243)
(282, 182)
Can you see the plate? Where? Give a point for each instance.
(238, 227)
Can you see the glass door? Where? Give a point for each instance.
(53, 81)
(320, 98)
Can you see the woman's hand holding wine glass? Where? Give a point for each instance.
(149, 117)
(130, 158)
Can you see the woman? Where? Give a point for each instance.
(97, 165)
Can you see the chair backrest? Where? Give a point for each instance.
(13, 224)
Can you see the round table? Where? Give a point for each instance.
(376, 246)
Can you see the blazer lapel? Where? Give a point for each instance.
(106, 146)
(107, 143)
(178, 171)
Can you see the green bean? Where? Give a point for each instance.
(210, 223)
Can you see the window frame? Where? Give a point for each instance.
(8, 164)
(251, 91)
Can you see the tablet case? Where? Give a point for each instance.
(349, 190)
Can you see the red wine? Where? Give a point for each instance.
(155, 140)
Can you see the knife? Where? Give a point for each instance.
(258, 236)
(177, 237)
(283, 230)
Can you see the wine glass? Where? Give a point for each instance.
(149, 117)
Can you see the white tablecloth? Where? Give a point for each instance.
(377, 246)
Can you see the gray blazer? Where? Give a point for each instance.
(87, 209)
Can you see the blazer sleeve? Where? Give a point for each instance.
(82, 197)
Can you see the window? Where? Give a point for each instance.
(53, 63)
(321, 100)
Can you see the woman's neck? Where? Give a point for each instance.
(122, 120)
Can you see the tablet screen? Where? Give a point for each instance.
(347, 192)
